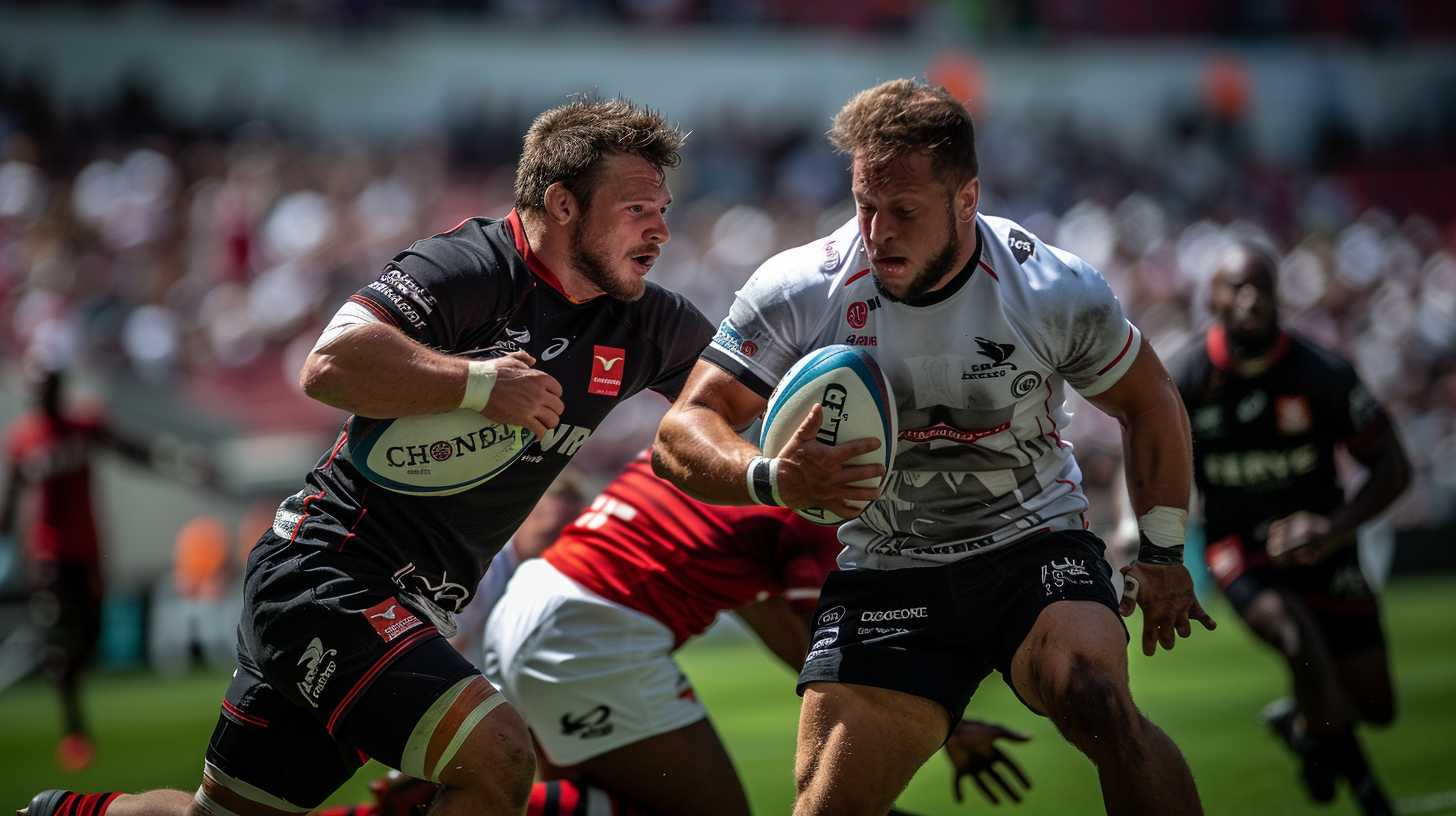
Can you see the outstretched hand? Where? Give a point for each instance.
(973, 752)
(1165, 594)
(813, 474)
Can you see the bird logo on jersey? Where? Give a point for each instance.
(998, 352)
(608, 362)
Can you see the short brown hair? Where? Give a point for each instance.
(881, 125)
(566, 142)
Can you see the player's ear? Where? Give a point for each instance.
(561, 205)
(967, 198)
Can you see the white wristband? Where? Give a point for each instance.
(1164, 526)
(478, 385)
(763, 481)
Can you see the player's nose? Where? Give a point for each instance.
(657, 232)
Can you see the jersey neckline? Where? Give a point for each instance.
(533, 261)
(1216, 345)
(955, 284)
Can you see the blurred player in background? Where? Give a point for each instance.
(975, 556)
(349, 598)
(49, 453)
(582, 643)
(1269, 409)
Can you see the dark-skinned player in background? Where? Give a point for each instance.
(543, 319)
(1269, 409)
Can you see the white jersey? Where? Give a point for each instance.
(977, 367)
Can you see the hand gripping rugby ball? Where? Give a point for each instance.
(857, 402)
(434, 454)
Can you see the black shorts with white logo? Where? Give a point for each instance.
(332, 670)
(937, 632)
(1335, 592)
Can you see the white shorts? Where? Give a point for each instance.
(589, 675)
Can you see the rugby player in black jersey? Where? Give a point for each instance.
(542, 319)
(1268, 410)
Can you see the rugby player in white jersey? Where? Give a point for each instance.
(975, 557)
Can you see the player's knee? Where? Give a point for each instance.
(498, 761)
(1093, 709)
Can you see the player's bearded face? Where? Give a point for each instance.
(620, 232)
(907, 218)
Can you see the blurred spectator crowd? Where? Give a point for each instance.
(1374, 22)
(204, 261)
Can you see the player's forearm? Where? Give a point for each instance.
(375, 371)
(1387, 479)
(699, 452)
(1158, 449)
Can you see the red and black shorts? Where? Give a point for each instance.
(937, 632)
(1334, 590)
(332, 670)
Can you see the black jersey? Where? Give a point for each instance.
(478, 291)
(1264, 446)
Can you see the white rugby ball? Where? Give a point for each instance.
(434, 454)
(857, 402)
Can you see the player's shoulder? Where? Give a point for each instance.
(1020, 259)
(817, 270)
(474, 247)
(666, 316)
(1309, 357)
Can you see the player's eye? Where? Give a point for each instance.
(635, 209)
(905, 213)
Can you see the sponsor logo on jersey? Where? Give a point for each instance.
(318, 672)
(558, 345)
(749, 348)
(608, 363)
(882, 631)
(565, 439)
(521, 336)
(441, 450)
(830, 616)
(400, 302)
(825, 637)
(1292, 415)
(998, 353)
(1251, 406)
(831, 256)
(1020, 245)
(728, 337)
(1256, 468)
(857, 314)
(594, 723)
(1058, 574)
(1208, 420)
(833, 404)
(391, 619)
(1025, 383)
(942, 430)
(401, 282)
(908, 613)
(862, 340)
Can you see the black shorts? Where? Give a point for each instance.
(936, 632)
(332, 670)
(1334, 591)
(65, 604)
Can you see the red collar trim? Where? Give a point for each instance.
(537, 266)
(1218, 349)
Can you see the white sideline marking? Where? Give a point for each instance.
(1430, 803)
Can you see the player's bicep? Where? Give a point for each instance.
(1144, 388)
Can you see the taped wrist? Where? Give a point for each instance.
(1161, 531)
(479, 382)
(763, 481)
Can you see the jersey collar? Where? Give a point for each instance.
(955, 284)
(1218, 353)
(534, 263)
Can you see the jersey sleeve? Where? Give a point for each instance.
(1353, 410)
(766, 329)
(1078, 326)
(438, 291)
(685, 332)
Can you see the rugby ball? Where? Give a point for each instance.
(857, 402)
(434, 454)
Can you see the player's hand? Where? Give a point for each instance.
(1165, 594)
(524, 396)
(972, 752)
(813, 474)
(1300, 539)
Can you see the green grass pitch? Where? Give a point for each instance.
(1205, 694)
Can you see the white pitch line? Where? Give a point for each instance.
(1430, 803)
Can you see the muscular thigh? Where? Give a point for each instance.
(859, 746)
(683, 772)
(1069, 640)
